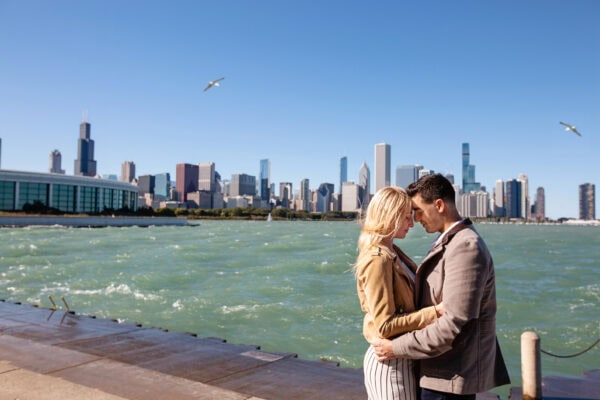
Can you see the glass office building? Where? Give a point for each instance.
(66, 193)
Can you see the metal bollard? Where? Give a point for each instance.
(531, 366)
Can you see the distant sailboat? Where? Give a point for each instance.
(269, 218)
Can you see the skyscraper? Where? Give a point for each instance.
(499, 210)
(382, 165)
(285, 194)
(468, 172)
(265, 180)
(146, 184)
(0, 153)
(206, 177)
(305, 194)
(587, 201)
(127, 171)
(525, 201)
(343, 172)
(242, 185)
(474, 204)
(351, 194)
(162, 186)
(364, 181)
(407, 174)
(324, 197)
(540, 204)
(85, 164)
(186, 180)
(513, 199)
(55, 162)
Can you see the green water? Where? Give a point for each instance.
(286, 286)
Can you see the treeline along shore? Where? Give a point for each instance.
(248, 213)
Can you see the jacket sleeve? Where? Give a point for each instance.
(377, 282)
(465, 270)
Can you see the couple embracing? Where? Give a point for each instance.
(431, 328)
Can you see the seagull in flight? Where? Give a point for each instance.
(570, 128)
(213, 83)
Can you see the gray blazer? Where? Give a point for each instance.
(459, 352)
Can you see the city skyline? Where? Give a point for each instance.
(306, 84)
(192, 179)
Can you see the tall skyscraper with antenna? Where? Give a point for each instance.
(85, 164)
(468, 172)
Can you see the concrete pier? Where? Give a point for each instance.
(52, 355)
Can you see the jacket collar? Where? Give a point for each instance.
(439, 246)
(456, 228)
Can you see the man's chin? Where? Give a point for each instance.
(427, 229)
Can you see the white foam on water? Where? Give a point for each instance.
(87, 292)
(178, 305)
(120, 289)
(146, 297)
(238, 308)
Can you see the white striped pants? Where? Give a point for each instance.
(390, 379)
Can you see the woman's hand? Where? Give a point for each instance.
(383, 349)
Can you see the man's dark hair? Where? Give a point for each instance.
(432, 187)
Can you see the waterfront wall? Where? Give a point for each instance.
(88, 221)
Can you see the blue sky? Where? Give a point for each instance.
(307, 82)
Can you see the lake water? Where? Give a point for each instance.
(287, 286)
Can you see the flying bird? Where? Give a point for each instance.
(570, 128)
(213, 83)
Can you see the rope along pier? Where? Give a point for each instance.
(531, 365)
(572, 355)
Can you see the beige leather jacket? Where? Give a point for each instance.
(386, 295)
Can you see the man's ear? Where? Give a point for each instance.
(440, 205)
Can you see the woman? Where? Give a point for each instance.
(385, 278)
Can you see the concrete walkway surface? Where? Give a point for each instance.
(60, 355)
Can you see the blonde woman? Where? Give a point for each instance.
(385, 279)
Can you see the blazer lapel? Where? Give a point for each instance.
(427, 264)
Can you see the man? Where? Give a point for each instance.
(459, 353)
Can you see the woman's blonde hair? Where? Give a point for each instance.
(385, 213)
